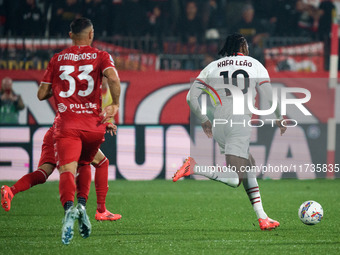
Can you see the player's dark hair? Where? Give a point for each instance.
(232, 45)
(78, 25)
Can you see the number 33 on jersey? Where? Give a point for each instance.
(76, 76)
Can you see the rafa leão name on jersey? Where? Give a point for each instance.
(77, 57)
(234, 62)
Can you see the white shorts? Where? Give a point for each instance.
(232, 137)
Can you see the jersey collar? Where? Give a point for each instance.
(80, 46)
(240, 54)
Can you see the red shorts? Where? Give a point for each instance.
(47, 149)
(76, 145)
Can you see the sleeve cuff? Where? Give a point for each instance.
(108, 68)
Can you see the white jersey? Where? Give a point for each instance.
(241, 71)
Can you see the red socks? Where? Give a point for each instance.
(67, 187)
(83, 181)
(29, 180)
(100, 180)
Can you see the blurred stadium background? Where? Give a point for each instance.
(158, 46)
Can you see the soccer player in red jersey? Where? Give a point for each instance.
(73, 77)
(46, 167)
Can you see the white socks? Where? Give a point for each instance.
(252, 188)
(218, 173)
(229, 177)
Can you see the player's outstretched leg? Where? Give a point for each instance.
(71, 215)
(29, 180)
(24, 183)
(190, 167)
(101, 163)
(6, 197)
(253, 191)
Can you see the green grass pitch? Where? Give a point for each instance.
(188, 217)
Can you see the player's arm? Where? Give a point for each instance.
(195, 92)
(113, 82)
(192, 100)
(44, 91)
(45, 87)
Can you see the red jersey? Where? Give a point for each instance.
(76, 76)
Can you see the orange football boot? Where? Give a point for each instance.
(6, 197)
(185, 170)
(268, 224)
(107, 215)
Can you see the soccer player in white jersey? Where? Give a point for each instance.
(235, 66)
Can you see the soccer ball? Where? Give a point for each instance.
(310, 212)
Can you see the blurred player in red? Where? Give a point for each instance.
(46, 167)
(73, 77)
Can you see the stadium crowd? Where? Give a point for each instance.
(192, 21)
(192, 28)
